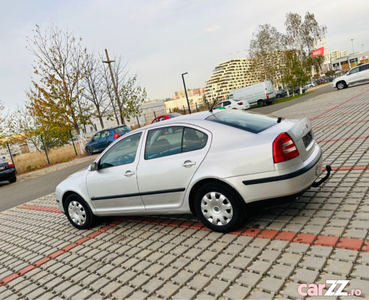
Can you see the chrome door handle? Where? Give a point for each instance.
(188, 164)
(129, 173)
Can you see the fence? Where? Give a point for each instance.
(26, 157)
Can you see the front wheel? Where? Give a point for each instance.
(89, 150)
(219, 207)
(78, 212)
(341, 85)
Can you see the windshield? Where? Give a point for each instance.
(251, 122)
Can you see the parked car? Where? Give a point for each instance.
(310, 84)
(7, 171)
(283, 92)
(166, 117)
(211, 164)
(355, 75)
(261, 93)
(233, 104)
(104, 138)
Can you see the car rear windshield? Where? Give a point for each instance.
(121, 129)
(251, 122)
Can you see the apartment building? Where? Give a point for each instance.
(229, 75)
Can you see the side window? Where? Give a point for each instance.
(122, 153)
(193, 140)
(104, 134)
(96, 137)
(173, 140)
(353, 71)
(218, 105)
(162, 119)
(163, 142)
(225, 103)
(363, 68)
(155, 120)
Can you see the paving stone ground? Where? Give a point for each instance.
(321, 236)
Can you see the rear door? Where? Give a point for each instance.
(171, 157)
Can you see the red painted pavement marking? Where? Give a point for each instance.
(333, 108)
(344, 139)
(44, 260)
(361, 168)
(40, 208)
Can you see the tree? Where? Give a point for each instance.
(59, 62)
(132, 96)
(303, 36)
(95, 88)
(1, 119)
(265, 47)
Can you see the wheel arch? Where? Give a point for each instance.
(68, 193)
(196, 187)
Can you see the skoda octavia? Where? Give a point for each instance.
(211, 164)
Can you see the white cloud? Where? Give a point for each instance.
(215, 27)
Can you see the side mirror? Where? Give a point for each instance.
(93, 166)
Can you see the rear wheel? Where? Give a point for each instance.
(279, 96)
(219, 207)
(341, 85)
(13, 180)
(260, 103)
(78, 212)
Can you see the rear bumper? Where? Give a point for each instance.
(281, 185)
(7, 174)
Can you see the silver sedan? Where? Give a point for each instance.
(211, 164)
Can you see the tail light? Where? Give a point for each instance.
(267, 95)
(10, 165)
(117, 135)
(284, 148)
(240, 103)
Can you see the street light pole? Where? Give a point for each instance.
(352, 41)
(108, 61)
(184, 85)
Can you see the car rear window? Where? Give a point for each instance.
(121, 129)
(251, 122)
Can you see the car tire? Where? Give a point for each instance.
(78, 212)
(88, 150)
(341, 85)
(13, 180)
(279, 96)
(219, 207)
(260, 103)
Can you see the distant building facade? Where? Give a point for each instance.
(179, 101)
(229, 75)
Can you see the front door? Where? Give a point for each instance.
(170, 159)
(113, 187)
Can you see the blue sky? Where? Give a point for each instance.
(160, 40)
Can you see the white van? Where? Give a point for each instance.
(260, 94)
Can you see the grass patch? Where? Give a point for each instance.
(285, 99)
(37, 160)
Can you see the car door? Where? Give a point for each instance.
(103, 141)
(364, 72)
(170, 159)
(113, 186)
(353, 75)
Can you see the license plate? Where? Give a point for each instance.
(2, 168)
(307, 139)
